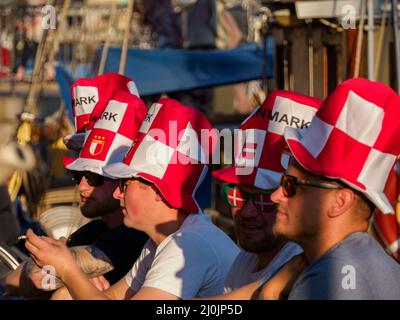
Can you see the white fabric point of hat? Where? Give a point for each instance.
(120, 170)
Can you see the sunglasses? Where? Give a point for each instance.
(123, 183)
(93, 179)
(290, 183)
(237, 198)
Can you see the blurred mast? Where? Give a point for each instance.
(381, 36)
(126, 38)
(360, 35)
(371, 73)
(106, 46)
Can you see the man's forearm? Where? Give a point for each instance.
(80, 288)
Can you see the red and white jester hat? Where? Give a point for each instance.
(353, 137)
(112, 135)
(89, 98)
(170, 153)
(259, 151)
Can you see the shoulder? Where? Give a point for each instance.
(125, 232)
(198, 242)
(204, 237)
(341, 273)
(122, 237)
(241, 271)
(87, 234)
(332, 279)
(186, 242)
(243, 259)
(200, 226)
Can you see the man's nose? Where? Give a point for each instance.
(249, 210)
(277, 196)
(117, 194)
(83, 185)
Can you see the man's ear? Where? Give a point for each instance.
(159, 197)
(342, 200)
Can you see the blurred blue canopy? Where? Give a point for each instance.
(170, 70)
(157, 71)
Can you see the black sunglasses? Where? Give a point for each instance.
(289, 184)
(122, 183)
(93, 179)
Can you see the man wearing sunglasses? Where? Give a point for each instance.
(186, 255)
(249, 193)
(351, 141)
(103, 246)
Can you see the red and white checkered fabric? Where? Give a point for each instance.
(353, 137)
(89, 98)
(170, 153)
(112, 135)
(258, 156)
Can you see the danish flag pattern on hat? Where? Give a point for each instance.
(258, 160)
(168, 152)
(112, 134)
(89, 98)
(353, 137)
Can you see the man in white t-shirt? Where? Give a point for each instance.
(250, 184)
(187, 263)
(186, 256)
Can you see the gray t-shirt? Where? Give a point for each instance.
(355, 268)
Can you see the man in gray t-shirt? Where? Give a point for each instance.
(335, 179)
(355, 268)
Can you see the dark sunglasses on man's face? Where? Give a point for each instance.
(122, 184)
(290, 183)
(93, 179)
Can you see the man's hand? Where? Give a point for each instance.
(279, 286)
(100, 283)
(46, 251)
(34, 274)
(27, 280)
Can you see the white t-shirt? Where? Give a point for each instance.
(244, 268)
(192, 262)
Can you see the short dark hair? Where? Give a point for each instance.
(371, 206)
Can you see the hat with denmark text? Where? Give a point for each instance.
(353, 137)
(89, 98)
(260, 141)
(112, 134)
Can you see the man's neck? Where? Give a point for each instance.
(114, 218)
(265, 257)
(168, 226)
